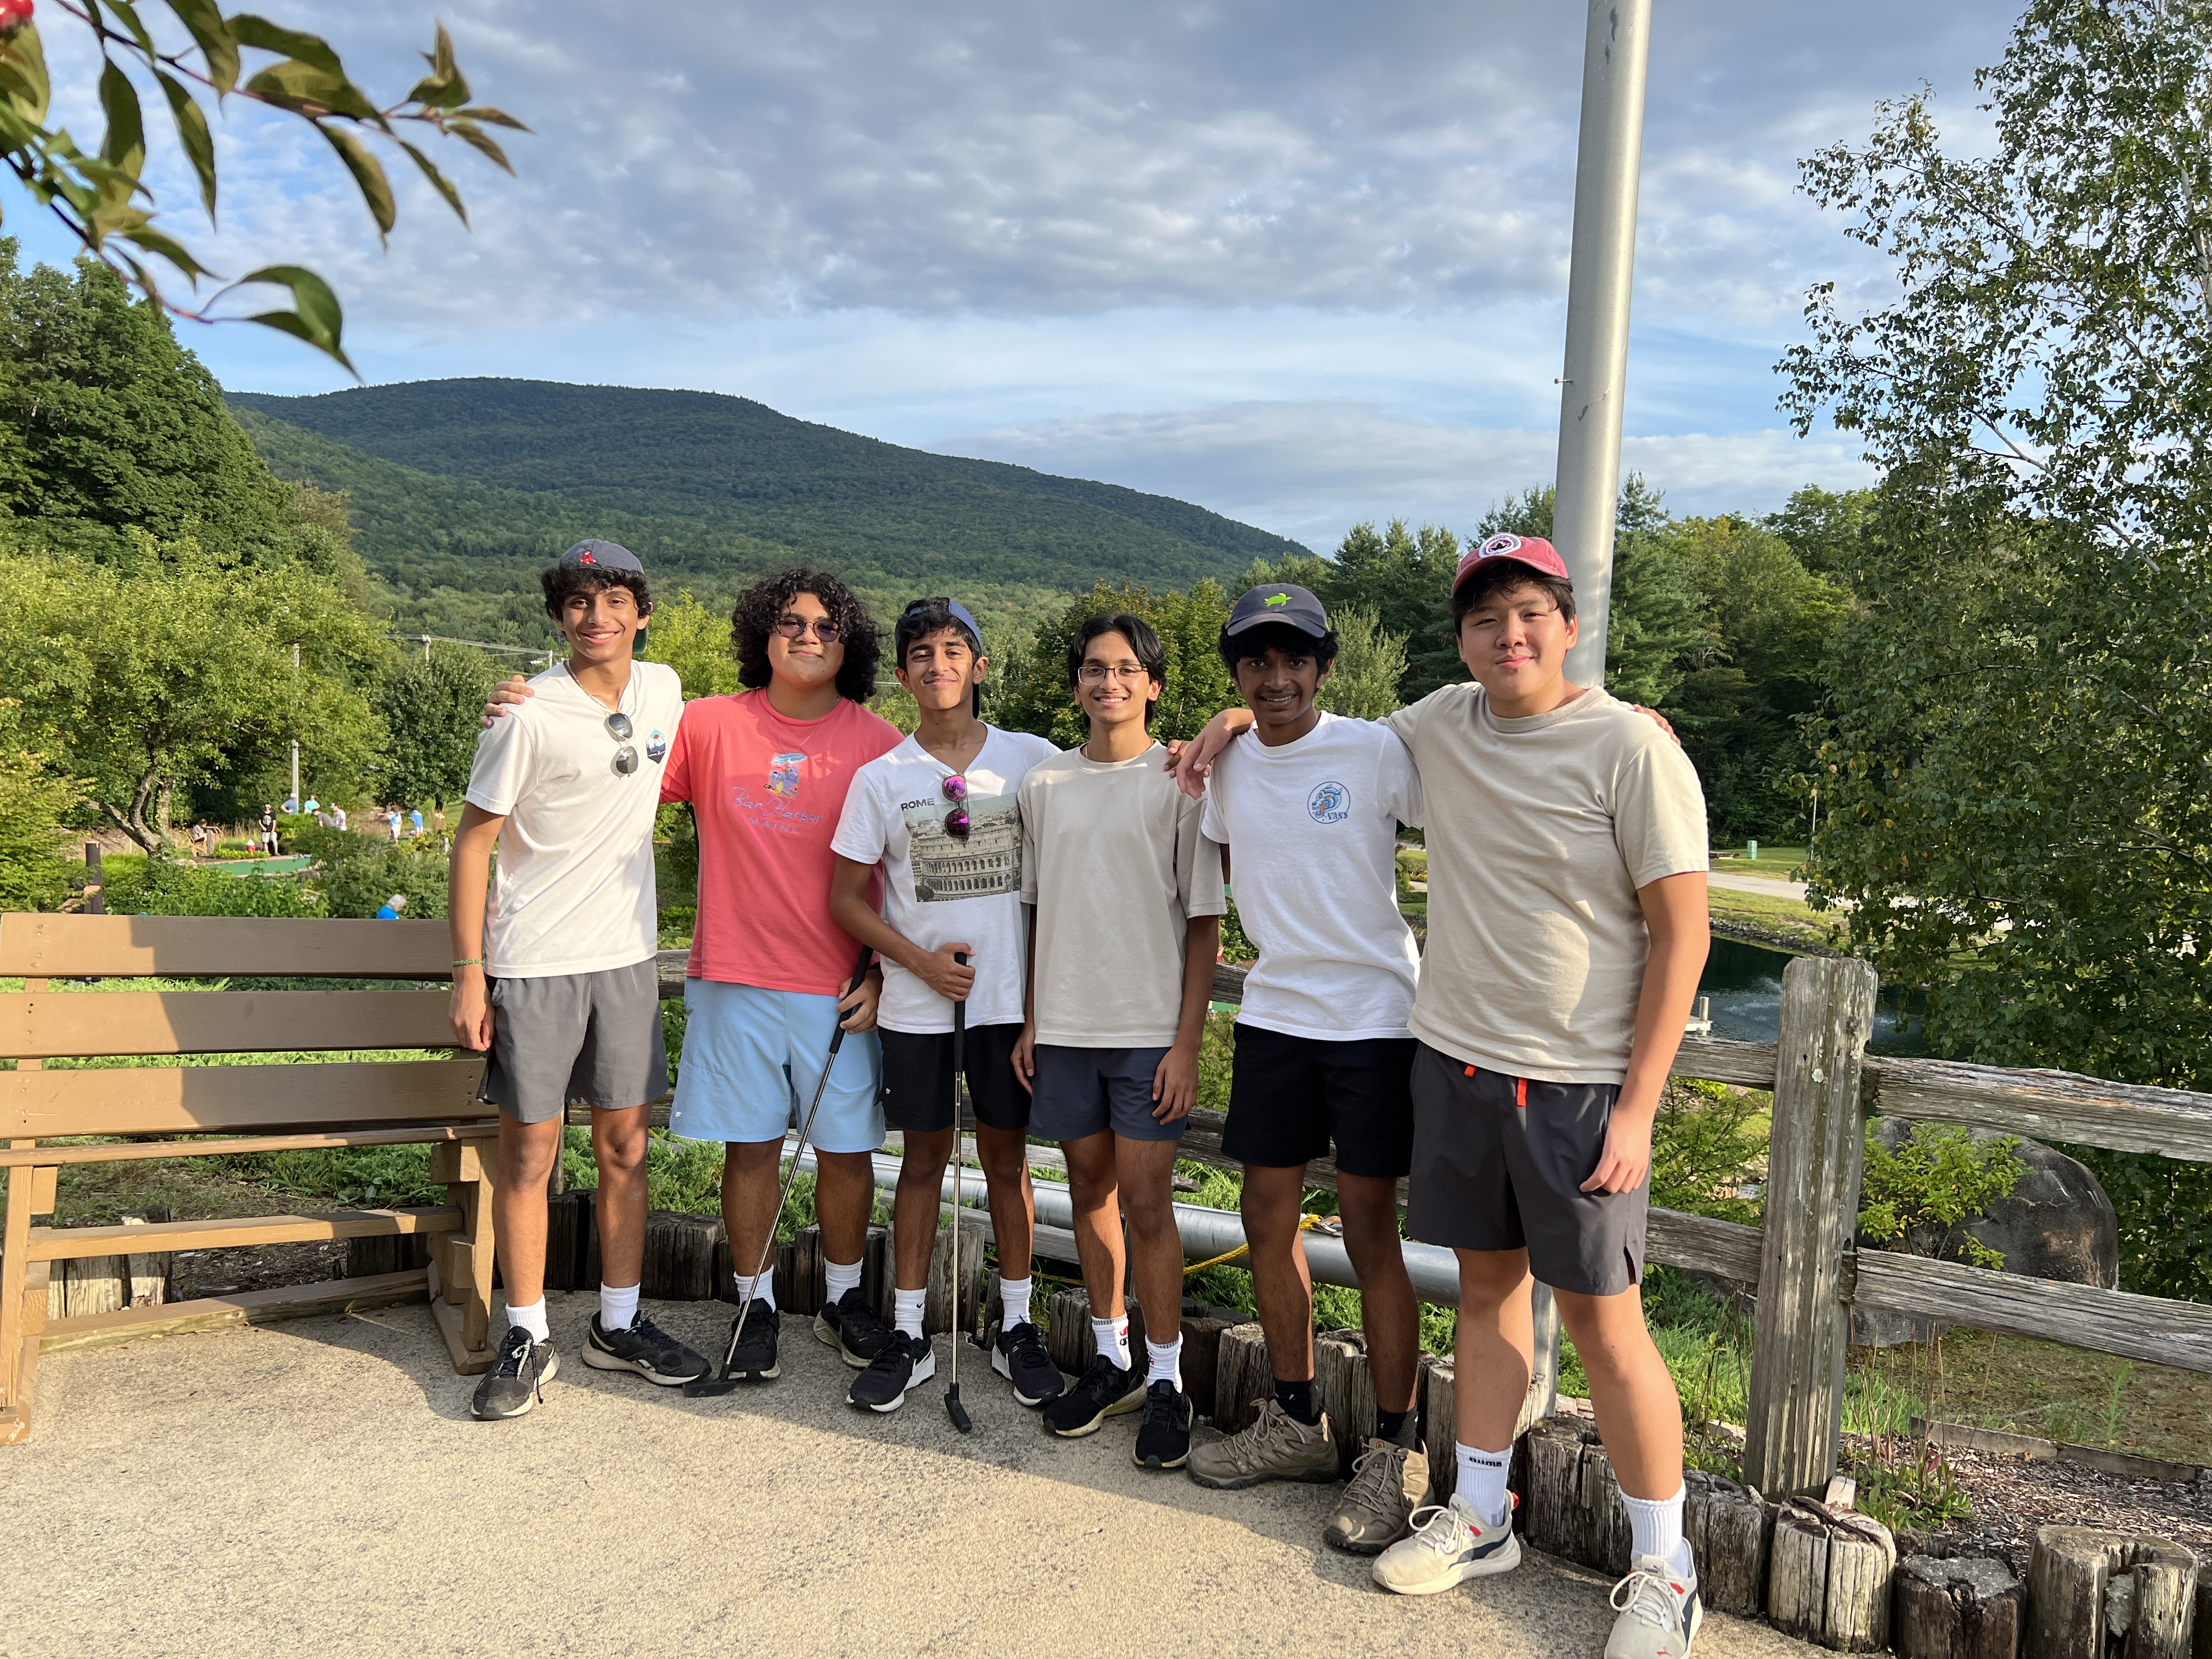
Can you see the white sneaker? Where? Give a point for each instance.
(1659, 1610)
(1449, 1544)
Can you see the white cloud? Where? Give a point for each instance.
(1309, 470)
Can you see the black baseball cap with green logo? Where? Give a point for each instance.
(1278, 602)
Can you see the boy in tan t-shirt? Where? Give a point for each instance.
(1126, 928)
(1567, 847)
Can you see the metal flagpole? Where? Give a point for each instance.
(1607, 166)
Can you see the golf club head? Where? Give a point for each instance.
(711, 1387)
(958, 1412)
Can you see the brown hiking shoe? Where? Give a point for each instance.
(1388, 1485)
(1276, 1447)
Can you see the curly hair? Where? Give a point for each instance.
(754, 618)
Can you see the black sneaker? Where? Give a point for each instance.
(904, 1362)
(518, 1378)
(754, 1358)
(1164, 1438)
(645, 1349)
(1105, 1390)
(1018, 1353)
(850, 1326)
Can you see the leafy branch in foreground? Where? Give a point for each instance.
(102, 195)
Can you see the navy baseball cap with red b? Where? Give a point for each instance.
(1533, 551)
(601, 555)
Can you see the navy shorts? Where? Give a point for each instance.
(1081, 1092)
(1291, 1098)
(1498, 1164)
(918, 1079)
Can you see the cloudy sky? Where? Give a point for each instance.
(1302, 263)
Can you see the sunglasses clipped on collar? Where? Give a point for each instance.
(618, 727)
(957, 822)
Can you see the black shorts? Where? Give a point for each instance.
(1498, 1164)
(918, 1079)
(1290, 1097)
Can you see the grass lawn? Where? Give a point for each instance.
(1776, 861)
(1785, 921)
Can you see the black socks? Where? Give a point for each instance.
(1388, 1425)
(1298, 1399)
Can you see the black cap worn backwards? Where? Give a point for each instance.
(1283, 602)
(601, 555)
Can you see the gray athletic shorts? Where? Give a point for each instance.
(1498, 1164)
(1079, 1091)
(594, 1038)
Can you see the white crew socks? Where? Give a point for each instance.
(907, 1306)
(1112, 1338)
(763, 1289)
(839, 1277)
(1482, 1481)
(1013, 1303)
(618, 1308)
(531, 1319)
(1165, 1363)
(1654, 1527)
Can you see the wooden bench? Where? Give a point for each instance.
(236, 1108)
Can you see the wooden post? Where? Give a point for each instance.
(1574, 1506)
(1543, 1399)
(1068, 1329)
(95, 894)
(1201, 1357)
(1730, 1528)
(1436, 1396)
(942, 1311)
(1796, 1397)
(1242, 1377)
(2088, 1589)
(1965, 1607)
(679, 1256)
(1828, 1579)
(1346, 1391)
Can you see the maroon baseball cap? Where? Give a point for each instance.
(1533, 551)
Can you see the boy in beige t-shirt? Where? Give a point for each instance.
(1128, 923)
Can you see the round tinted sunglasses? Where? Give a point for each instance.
(618, 727)
(957, 822)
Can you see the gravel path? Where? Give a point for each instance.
(317, 1486)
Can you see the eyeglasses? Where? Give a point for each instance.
(957, 822)
(797, 627)
(1095, 673)
(618, 727)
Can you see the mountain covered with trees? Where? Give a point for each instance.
(457, 489)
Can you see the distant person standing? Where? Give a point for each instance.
(415, 818)
(337, 816)
(392, 821)
(200, 839)
(392, 908)
(268, 828)
(312, 804)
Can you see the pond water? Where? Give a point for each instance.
(1745, 983)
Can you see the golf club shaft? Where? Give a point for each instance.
(959, 1095)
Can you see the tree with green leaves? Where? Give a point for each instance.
(2016, 762)
(430, 706)
(1824, 528)
(179, 671)
(1034, 695)
(199, 58)
(35, 801)
(1370, 661)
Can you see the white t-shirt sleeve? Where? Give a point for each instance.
(499, 775)
(1030, 800)
(1659, 811)
(1211, 823)
(1398, 781)
(861, 834)
(1198, 863)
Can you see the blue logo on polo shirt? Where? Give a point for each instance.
(1330, 803)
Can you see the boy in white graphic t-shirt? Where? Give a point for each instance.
(939, 814)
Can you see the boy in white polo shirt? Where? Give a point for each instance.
(559, 981)
(1306, 809)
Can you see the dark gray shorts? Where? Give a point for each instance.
(593, 1038)
(1080, 1091)
(1498, 1164)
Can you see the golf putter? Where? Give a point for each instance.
(953, 1409)
(705, 1387)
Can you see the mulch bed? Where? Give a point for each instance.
(2012, 1497)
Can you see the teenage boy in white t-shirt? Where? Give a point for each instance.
(1128, 927)
(1307, 809)
(559, 981)
(937, 813)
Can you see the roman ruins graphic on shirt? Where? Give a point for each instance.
(783, 775)
(986, 864)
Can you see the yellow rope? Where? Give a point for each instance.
(1306, 1224)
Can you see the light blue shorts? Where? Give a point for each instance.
(751, 1060)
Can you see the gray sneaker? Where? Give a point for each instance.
(1276, 1447)
(518, 1377)
(1388, 1485)
(1659, 1610)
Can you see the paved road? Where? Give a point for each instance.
(1772, 886)
(317, 1487)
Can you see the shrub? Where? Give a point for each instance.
(1939, 1175)
(1708, 1142)
(163, 887)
